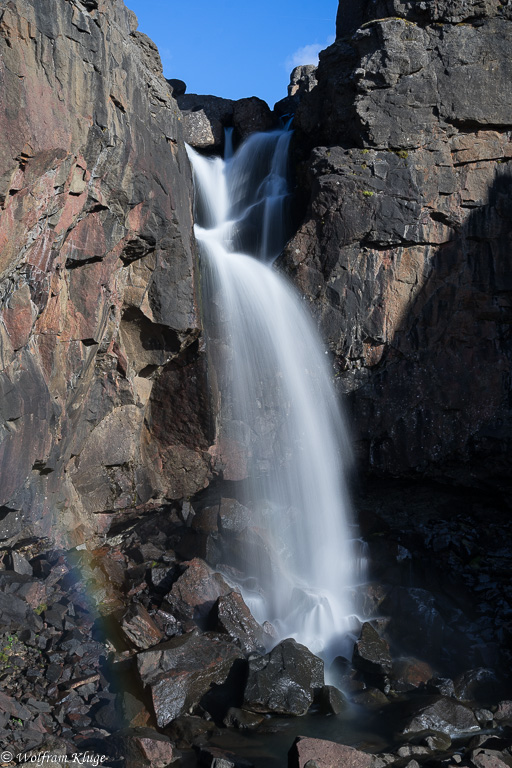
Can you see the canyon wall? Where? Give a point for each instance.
(405, 251)
(102, 404)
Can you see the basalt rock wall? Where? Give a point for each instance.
(99, 355)
(405, 252)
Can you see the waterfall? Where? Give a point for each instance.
(280, 430)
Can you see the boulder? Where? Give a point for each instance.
(444, 715)
(202, 132)
(242, 719)
(331, 701)
(409, 673)
(476, 685)
(233, 617)
(194, 594)
(283, 681)
(371, 652)
(370, 698)
(250, 115)
(326, 754)
(180, 671)
(145, 747)
(503, 713)
(139, 628)
(178, 86)
(233, 516)
(487, 759)
(213, 757)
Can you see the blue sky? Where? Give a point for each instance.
(236, 48)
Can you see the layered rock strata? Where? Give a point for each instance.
(102, 398)
(405, 249)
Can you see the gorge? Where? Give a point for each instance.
(118, 493)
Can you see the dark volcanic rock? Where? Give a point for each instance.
(331, 701)
(446, 716)
(284, 681)
(206, 117)
(403, 248)
(476, 685)
(371, 652)
(180, 671)
(250, 115)
(234, 617)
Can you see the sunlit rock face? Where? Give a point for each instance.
(405, 249)
(99, 365)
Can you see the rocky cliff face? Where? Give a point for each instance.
(405, 250)
(99, 322)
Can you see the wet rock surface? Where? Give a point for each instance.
(93, 651)
(371, 652)
(284, 680)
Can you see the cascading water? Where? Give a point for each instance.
(279, 427)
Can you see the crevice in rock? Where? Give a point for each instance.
(137, 248)
(74, 263)
(41, 467)
(118, 104)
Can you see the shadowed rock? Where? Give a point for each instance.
(284, 681)
(371, 652)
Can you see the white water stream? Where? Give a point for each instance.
(280, 422)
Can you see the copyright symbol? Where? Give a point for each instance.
(7, 757)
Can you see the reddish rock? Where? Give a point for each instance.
(195, 592)
(409, 673)
(488, 760)
(19, 317)
(504, 712)
(95, 220)
(145, 747)
(139, 627)
(326, 754)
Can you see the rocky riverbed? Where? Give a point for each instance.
(140, 652)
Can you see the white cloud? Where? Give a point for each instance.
(308, 54)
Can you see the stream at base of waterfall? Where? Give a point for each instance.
(279, 425)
